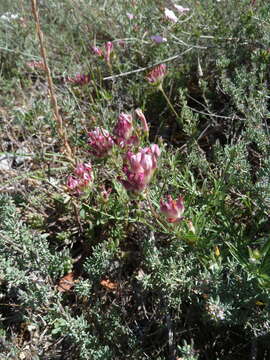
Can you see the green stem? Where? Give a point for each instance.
(170, 105)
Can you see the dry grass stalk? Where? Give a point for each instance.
(59, 121)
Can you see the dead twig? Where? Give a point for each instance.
(59, 121)
(148, 67)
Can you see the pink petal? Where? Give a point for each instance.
(170, 15)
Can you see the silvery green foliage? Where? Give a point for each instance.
(28, 267)
(28, 271)
(187, 351)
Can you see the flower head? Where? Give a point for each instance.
(79, 79)
(157, 74)
(141, 116)
(215, 311)
(72, 183)
(82, 169)
(173, 209)
(158, 39)
(37, 65)
(100, 142)
(123, 131)
(97, 51)
(81, 180)
(155, 150)
(130, 16)
(139, 168)
(108, 50)
(123, 128)
(170, 15)
(181, 9)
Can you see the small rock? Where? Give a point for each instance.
(6, 161)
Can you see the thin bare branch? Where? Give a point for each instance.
(59, 121)
(148, 67)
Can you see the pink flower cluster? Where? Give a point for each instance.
(173, 209)
(79, 79)
(123, 131)
(130, 16)
(107, 52)
(81, 180)
(100, 142)
(139, 168)
(181, 9)
(158, 39)
(37, 65)
(170, 15)
(97, 51)
(157, 74)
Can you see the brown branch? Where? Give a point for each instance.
(59, 121)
